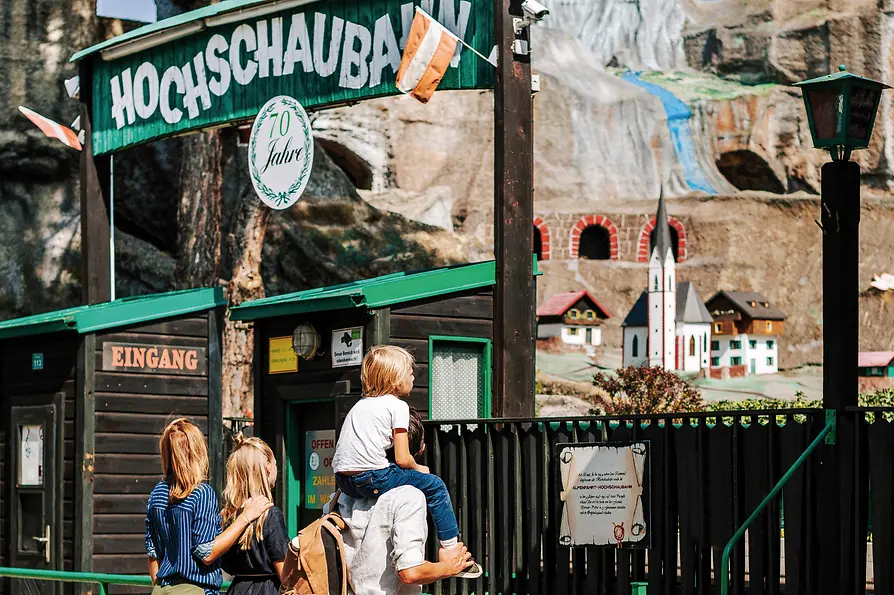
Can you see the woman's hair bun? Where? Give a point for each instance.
(238, 440)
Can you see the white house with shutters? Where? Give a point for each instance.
(574, 317)
(745, 332)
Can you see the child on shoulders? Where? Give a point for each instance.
(378, 422)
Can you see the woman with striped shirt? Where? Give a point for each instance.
(183, 523)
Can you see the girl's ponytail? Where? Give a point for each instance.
(184, 457)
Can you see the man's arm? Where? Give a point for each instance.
(429, 572)
(408, 534)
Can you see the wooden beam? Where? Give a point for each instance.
(85, 447)
(96, 284)
(513, 222)
(215, 402)
(378, 329)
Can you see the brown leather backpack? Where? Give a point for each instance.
(315, 562)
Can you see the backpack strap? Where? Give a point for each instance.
(333, 503)
(336, 520)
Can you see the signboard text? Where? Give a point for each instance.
(324, 53)
(154, 359)
(602, 494)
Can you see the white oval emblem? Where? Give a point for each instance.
(280, 152)
(314, 461)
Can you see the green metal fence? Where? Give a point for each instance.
(100, 579)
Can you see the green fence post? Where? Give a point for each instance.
(103, 589)
(638, 588)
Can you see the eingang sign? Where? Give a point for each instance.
(323, 53)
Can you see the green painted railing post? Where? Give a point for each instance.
(103, 589)
(724, 560)
(638, 588)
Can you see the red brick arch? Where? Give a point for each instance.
(540, 224)
(587, 221)
(642, 254)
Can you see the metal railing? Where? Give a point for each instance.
(724, 561)
(98, 578)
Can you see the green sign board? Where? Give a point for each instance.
(322, 54)
(37, 361)
(319, 448)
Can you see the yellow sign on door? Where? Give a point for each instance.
(281, 356)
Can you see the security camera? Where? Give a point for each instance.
(534, 10)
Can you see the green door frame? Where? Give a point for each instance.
(485, 408)
(293, 473)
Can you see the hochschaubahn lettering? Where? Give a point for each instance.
(323, 53)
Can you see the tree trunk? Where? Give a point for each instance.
(199, 244)
(198, 216)
(245, 245)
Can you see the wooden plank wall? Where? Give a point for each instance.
(131, 411)
(18, 380)
(462, 315)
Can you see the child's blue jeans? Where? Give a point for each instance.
(372, 484)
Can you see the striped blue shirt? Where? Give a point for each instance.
(181, 535)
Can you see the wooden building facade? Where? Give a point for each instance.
(444, 317)
(84, 394)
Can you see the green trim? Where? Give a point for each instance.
(123, 312)
(485, 406)
(170, 23)
(293, 481)
(294, 465)
(103, 579)
(378, 292)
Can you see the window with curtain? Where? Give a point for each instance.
(460, 378)
(692, 345)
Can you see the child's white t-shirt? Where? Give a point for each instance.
(368, 432)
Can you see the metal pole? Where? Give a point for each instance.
(112, 226)
(840, 206)
(513, 220)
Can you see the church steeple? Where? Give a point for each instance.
(663, 241)
(662, 294)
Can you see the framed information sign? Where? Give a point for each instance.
(604, 492)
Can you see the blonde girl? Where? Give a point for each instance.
(183, 526)
(256, 560)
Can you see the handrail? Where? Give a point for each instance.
(102, 579)
(629, 417)
(724, 560)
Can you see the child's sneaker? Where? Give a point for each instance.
(472, 572)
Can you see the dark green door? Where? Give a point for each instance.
(311, 436)
(35, 525)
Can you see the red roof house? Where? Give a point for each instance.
(573, 317)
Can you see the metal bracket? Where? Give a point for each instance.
(831, 418)
(520, 47)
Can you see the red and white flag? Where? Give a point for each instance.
(52, 129)
(430, 47)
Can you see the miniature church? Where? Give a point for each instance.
(669, 325)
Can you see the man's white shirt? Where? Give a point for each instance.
(383, 537)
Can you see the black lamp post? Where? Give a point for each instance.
(841, 110)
